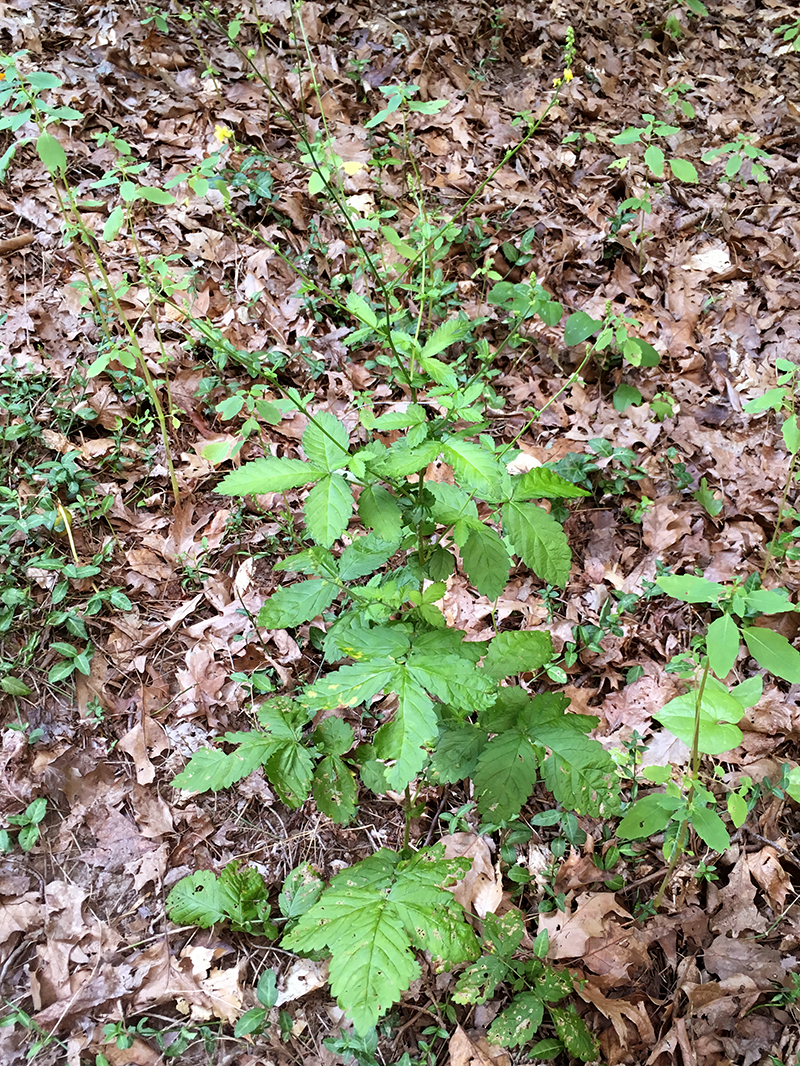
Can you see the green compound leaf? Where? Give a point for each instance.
(457, 751)
(211, 769)
(369, 920)
(301, 890)
(476, 469)
(350, 685)
(718, 713)
(237, 896)
(518, 1023)
(335, 790)
(333, 736)
(401, 459)
(539, 540)
(517, 652)
(400, 743)
(543, 483)
(454, 329)
(364, 555)
(505, 775)
(267, 475)
(326, 442)
(773, 652)
(297, 603)
(723, 641)
(196, 900)
(574, 1035)
(478, 982)
(328, 509)
(486, 561)
(451, 505)
(379, 510)
(452, 678)
(287, 763)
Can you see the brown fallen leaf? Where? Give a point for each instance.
(473, 1049)
(481, 888)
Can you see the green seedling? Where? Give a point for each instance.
(27, 824)
(738, 152)
(536, 987)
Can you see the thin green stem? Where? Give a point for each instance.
(680, 840)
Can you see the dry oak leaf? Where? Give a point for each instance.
(474, 1049)
(766, 870)
(619, 1012)
(738, 912)
(600, 932)
(481, 887)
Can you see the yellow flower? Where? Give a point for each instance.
(567, 75)
(222, 133)
(557, 82)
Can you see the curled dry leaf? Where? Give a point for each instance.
(481, 888)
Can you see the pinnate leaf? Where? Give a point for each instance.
(297, 603)
(505, 775)
(328, 509)
(370, 918)
(326, 442)
(539, 540)
(518, 651)
(400, 743)
(267, 475)
(211, 769)
(335, 790)
(486, 561)
(543, 483)
(475, 467)
(379, 510)
(518, 1023)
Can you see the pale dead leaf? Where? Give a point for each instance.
(738, 912)
(619, 1012)
(767, 872)
(302, 977)
(728, 956)
(224, 989)
(20, 915)
(147, 563)
(475, 1050)
(481, 888)
(145, 738)
(600, 932)
(712, 258)
(665, 524)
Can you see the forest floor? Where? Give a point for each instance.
(112, 676)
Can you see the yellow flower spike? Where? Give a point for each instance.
(568, 75)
